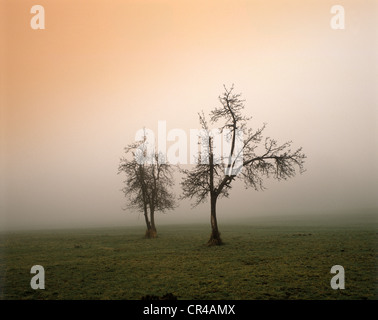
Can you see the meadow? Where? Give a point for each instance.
(260, 260)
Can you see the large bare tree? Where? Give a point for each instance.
(249, 157)
(148, 183)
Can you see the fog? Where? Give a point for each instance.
(74, 95)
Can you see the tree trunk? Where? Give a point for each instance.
(153, 227)
(148, 224)
(215, 239)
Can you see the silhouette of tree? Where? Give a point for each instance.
(214, 172)
(148, 183)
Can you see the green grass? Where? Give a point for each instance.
(263, 261)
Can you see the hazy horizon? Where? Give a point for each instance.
(74, 94)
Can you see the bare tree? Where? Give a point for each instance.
(148, 183)
(248, 157)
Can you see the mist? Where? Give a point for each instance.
(75, 94)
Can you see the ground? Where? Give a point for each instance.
(257, 261)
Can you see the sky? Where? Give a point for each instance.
(74, 94)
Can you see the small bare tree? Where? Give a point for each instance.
(148, 183)
(249, 157)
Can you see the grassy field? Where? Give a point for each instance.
(258, 261)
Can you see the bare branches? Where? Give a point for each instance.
(147, 183)
(231, 109)
(277, 161)
(243, 161)
(196, 183)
